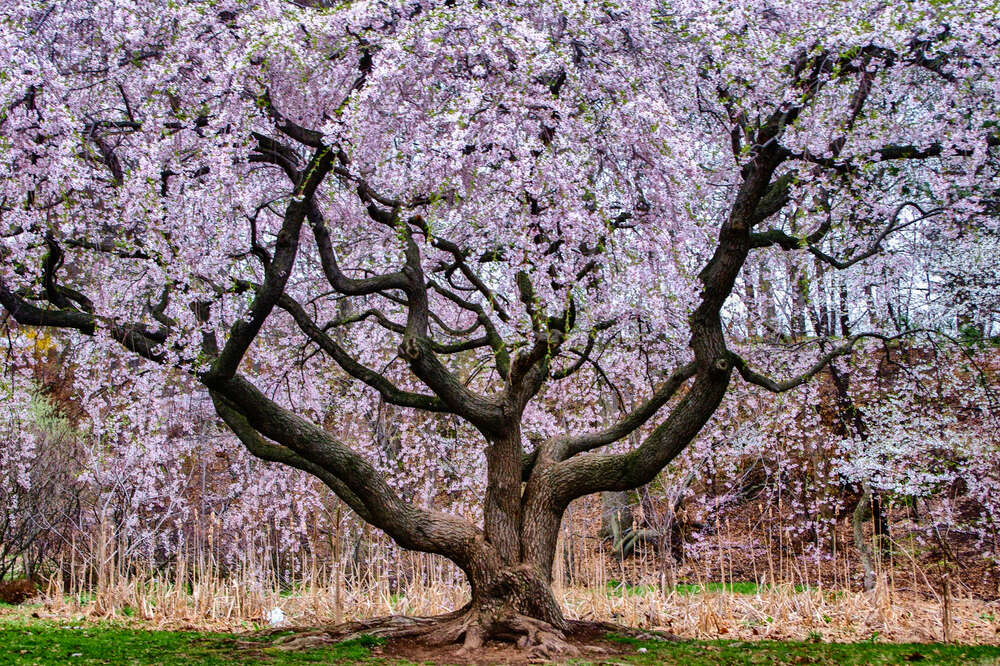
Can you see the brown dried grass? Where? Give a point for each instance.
(196, 597)
(795, 599)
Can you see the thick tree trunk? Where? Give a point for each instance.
(508, 603)
(502, 507)
(509, 600)
(510, 580)
(513, 604)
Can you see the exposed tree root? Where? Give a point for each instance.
(596, 627)
(539, 640)
(392, 626)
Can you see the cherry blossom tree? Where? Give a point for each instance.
(465, 214)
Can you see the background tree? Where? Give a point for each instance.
(458, 209)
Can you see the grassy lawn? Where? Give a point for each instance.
(26, 640)
(792, 652)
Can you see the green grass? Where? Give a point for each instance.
(26, 640)
(699, 653)
(618, 589)
(736, 587)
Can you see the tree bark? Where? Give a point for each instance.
(502, 507)
(616, 521)
(510, 602)
(862, 512)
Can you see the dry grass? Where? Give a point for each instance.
(769, 612)
(795, 599)
(783, 613)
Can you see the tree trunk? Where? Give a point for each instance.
(513, 603)
(512, 597)
(862, 512)
(502, 506)
(506, 597)
(616, 521)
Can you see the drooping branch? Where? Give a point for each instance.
(107, 247)
(109, 158)
(269, 151)
(587, 474)
(337, 279)
(788, 242)
(496, 342)
(485, 413)
(417, 348)
(564, 447)
(382, 320)
(290, 128)
(389, 392)
(712, 368)
(243, 332)
(57, 294)
(582, 356)
(460, 257)
(264, 449)
(531, 368)
(753, 377)
(134, 338)
(894, 152)
(632, 421)
(27, 314)
(408, 525)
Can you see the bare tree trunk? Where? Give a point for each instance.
(800, 297)
(616, 521)
(862, 513)
(502, 508)
(770, 314)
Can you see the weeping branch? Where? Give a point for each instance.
(751, 376)
(272, 452)
(632, 421)
(389, 392)
(408, 525)
(788, 242)
(244, 330)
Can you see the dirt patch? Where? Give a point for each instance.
(592, 644)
